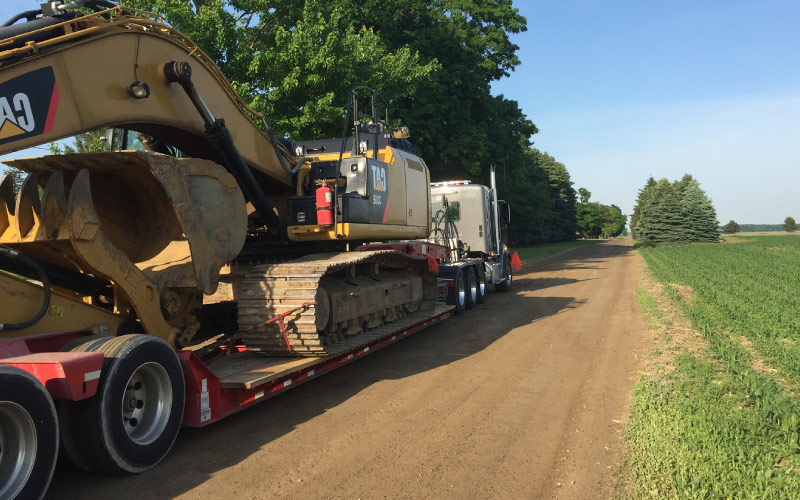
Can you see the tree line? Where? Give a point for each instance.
(789, 225)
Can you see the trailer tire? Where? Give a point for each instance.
(505, 285)
(481, 284)
(70, 451)
(28, 435)
(472, 287)
(460, 292)
(130, 425)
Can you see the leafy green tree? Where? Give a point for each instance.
(92, 141)
(295, 62)
(560, 224)
(731, 227)
(17, 176)
(615, 223)
(596, 220)
(789, 225)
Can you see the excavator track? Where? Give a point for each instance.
(353, 294)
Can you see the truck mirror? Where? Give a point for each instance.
(505, 212)
(108, 142)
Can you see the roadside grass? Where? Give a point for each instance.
(536, 252)
(715, 414)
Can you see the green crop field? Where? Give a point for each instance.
(724, 421)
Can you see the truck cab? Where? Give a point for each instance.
(470, 220)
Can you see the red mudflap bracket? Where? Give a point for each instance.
(65, 375)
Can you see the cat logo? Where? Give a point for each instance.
(28, 105)
(16, 121)
(379, 178)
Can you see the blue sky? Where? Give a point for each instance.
(621, 90)
(624, 89)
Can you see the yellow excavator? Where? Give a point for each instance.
(196, 217)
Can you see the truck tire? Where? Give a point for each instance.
(505, 285)
(130, 425)
(28, 435)
(460, 291)
(481, 284)
(472, 287)
(69, 452)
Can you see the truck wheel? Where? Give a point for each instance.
(481, 284)
(28, 435)
(70, 451)
(460, 291)
(130, 425)
(505, 285)
(472, 288)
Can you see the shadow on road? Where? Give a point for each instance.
(200, 453)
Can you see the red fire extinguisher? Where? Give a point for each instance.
(324, 205)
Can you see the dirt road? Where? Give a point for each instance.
(524, 400)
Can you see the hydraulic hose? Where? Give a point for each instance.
(11, 254)
(220, 137)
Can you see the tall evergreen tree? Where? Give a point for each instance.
(644, 204)
(674, 212)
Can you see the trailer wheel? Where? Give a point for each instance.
(460, 292)
(28, 435)
(505, 285)
(132, 422)
(481, 284)
(70, 451)
(472, 288)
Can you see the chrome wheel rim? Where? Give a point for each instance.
(462, 293)
(18, 444)
(147, 403)
(482, 284)
(473, 287)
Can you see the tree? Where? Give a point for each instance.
(92, 141)
(644, 205)
(731, 228)
(596, 220)
(674, 212)
(789, 225)
(560, 224)
(17, 177)
(295, 62)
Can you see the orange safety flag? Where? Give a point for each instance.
(515, 262)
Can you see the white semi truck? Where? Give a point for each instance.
(470, 220)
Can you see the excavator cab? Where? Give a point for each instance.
(375, 183)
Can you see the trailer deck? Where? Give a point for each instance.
(237, 379)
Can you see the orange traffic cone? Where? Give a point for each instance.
(515, 262)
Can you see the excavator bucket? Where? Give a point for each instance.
(158, 228)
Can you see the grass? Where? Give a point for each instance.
(536, 252)
(720, 416)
